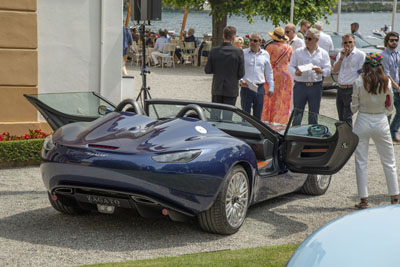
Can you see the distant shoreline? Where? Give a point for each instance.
(367, 7)
(347, 7)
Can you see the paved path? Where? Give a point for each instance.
(34, 234)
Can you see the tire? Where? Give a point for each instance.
(316, 184)
(67, 206)
(235, 190)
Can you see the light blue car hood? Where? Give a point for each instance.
(367, 238)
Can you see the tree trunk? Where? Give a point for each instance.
(218, 24)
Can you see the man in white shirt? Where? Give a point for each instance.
(159, 47)
(325, 41)
(294, 41)
(308, 84)
(257, 69)
(348, 63)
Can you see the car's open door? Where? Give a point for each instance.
(317, 144)
(62, 108)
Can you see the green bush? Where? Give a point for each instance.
(20, 153)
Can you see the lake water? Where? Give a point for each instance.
(201, 22)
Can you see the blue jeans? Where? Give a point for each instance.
(249, 98)
(394, 126)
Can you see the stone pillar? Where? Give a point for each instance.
(18, 66)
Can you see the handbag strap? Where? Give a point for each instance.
(281, 56)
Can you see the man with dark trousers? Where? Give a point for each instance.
(226, 62)
(348, 64)
(391, 65)
(308, 66)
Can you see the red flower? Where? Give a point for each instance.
(27, 136)
(1, 137)
(247, 36)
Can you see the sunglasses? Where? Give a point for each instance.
(349, 42)
(254, 40)
(287, 31)
(394, 40)
(308, 38)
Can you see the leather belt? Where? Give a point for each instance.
(346, 86)
(260, 84)
(309, 83)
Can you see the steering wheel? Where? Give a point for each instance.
(318, 130)
(192, 107)
(133, 103)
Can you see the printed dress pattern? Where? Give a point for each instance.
(276, 109)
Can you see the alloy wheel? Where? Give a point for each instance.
(237, 199)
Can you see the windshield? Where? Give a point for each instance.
(77, 103)
(360, 43)
(224, 120)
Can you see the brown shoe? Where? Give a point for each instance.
(396, 140)
(394, 199)
(363, 204)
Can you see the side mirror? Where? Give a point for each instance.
(103, 110)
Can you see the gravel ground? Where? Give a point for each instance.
(34, 234)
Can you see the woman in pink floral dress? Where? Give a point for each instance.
(276, 108)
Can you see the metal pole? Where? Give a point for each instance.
(339, 10)
(183, 24)
(394, 13)
(291, 10)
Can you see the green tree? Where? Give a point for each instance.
(277, 11)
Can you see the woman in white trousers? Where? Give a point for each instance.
(373, 99)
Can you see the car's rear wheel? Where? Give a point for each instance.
(316, 184)
(229, 210)
(67, 206)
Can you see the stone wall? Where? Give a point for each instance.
(19, 66)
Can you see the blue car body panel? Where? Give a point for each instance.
(128, 167)
(367, 238)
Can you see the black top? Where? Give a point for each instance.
(226, 62)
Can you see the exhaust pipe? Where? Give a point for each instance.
(63, 190)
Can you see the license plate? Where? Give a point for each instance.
(100, 200)
(103, 201)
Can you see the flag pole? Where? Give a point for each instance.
(291, 10)
(183, 23)
(128, 14)
(339, 11)
(394, 13)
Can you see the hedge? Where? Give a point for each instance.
(20, 153)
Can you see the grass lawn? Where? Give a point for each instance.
(260, 256)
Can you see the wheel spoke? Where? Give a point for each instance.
(236, 200)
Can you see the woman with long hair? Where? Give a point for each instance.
(373, 99)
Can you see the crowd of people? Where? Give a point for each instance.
(291, 68)
(155, 45)
(287, 72)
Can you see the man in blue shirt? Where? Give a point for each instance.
(391, 65)
(258, 68)
(159, 48)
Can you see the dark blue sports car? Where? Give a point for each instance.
(181, 158)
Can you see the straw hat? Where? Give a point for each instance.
(278, 35)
